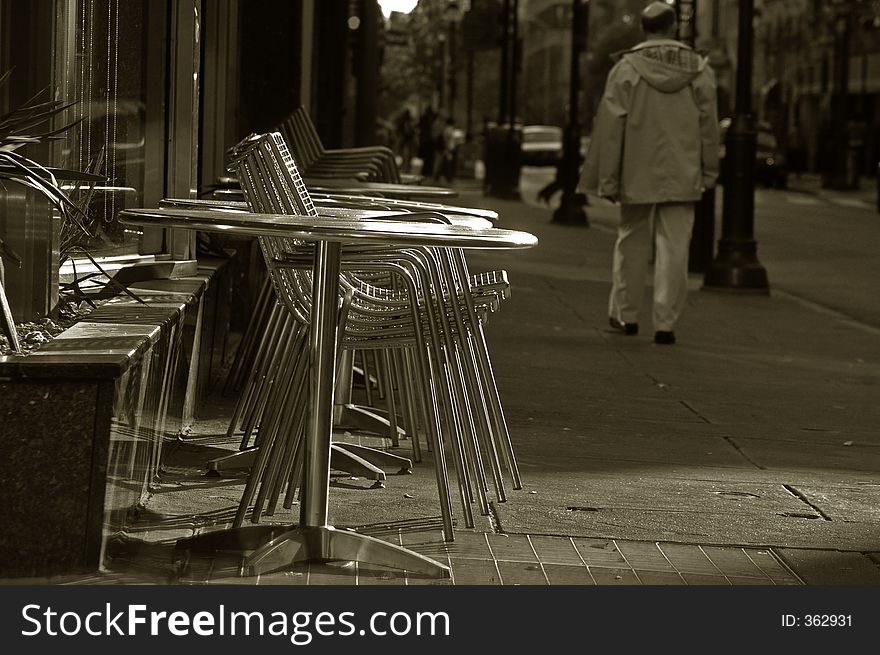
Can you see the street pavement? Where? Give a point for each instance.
(747, 453)
(757, 428)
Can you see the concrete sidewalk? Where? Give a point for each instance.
(748, 453)
(812, 183)
(757, 428)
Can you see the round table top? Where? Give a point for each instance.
(330, 185)
(340, 209)
(404, 230)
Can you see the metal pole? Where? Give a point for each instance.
(514, 62)
(703, 234)
(836, 174)
(502, 144)
(470, 94)
(505, 65)
(444, 71)
(736, 265)
(452, 80)
(322, 367)
(571, 208)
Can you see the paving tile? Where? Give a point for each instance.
(331, 574)
(556, 550)
(469, 545)
(232, 580)
(733, 561)
(522, 573)
(511, 548)
(296, 578)
(563, 574)
(422, 582)
(695, 579)
(599, 552)
(736, 580)
(410, 539)
(434, 549)
(771, 566)
(654, 577)
(645, 556)
(474, 571)
(688, 559)
(379, 575)
(614, 576)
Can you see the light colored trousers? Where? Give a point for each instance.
(667, 226)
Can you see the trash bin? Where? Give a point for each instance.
(502, 160)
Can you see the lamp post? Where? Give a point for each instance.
(836, 174)
(452, 15)
(571, 207)
(502, 152)
(736, 266)
(444, 59)
(504, 76)
(703, 233)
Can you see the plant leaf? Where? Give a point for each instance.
(112, 281)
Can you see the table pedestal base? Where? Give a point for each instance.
(277, 547)
(368, 419)
(354, 459)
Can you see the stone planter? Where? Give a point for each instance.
(84, 420)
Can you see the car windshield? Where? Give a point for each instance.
(542, 134)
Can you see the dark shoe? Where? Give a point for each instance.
(629, 329)
(664, 337)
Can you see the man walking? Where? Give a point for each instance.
(655, 150)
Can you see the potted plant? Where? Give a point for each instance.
(39, 223)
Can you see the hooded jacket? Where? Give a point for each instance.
(655, 137)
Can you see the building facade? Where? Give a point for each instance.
(163, 87)
(816, 69)
(816, 66)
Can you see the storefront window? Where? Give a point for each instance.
(101, 52)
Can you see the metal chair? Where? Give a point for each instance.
(457, 346)
(314, 160)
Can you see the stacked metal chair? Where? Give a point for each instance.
(418, 307)
(314, 160)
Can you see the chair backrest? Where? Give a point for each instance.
(306, 153)
(272, 184)
(307, 132)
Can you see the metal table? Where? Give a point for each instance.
(386, 189)
(314, 538)
(356, 187)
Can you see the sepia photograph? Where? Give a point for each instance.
(447, 294)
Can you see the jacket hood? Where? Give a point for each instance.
(666, 65)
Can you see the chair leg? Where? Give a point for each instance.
(244, 355)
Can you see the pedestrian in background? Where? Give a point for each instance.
(447, 152)
(426, 140)
(654, 150)
(406, 139)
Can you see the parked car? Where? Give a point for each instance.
(541, 145)
(771, 167)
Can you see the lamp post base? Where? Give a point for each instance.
(736, 268)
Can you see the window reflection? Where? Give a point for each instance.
(101, 53)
